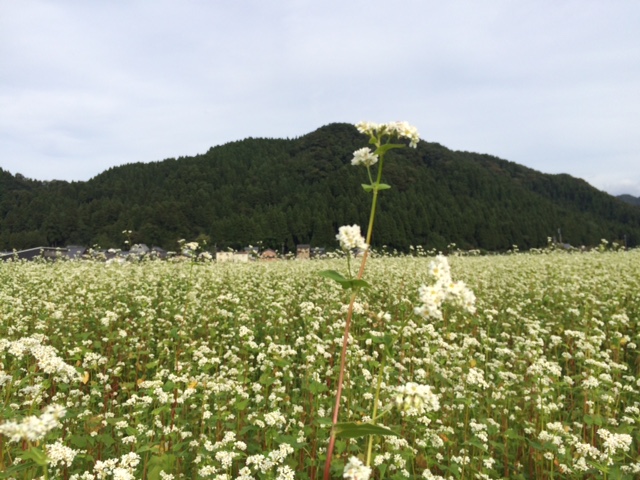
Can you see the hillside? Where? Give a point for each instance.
(630, 199)
(287, 192)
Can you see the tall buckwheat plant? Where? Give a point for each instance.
(410, 398)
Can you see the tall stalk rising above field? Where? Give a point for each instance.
(382, 137)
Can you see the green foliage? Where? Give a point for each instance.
(359, 430)
(289, 192)
(346, 283)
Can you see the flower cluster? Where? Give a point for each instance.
(390, 130)
(443, 289)
(356, 470)
(364, 157)
(121, 469)
(414, 399)
(46, 356)
(614, 443)
(60, 454)
(350, 237)
(33, 428)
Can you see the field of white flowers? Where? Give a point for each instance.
(160, 370)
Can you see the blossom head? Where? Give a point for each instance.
(33, 428)
(193, 246)
(443, 289)
(356, 470)
(390, 130)
(414, 399)
(365, 157)
(350, 237)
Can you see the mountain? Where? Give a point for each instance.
(630, 199)
(287, 192)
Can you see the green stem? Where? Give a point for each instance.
(375, 408)
(374, 202)
(345, 339)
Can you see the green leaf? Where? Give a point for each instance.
(355, 430)
(159, 410)
(344, 282)
(148, 448)
(593, 420)
(106, 439)
(382, 149)
(476, 443)
(151, 365)
(317, 387)
(333, 275)
(387, 339)
(78, 441)
(355, 283)
(375, 186)
(37, 455)
(512, 434)
(11, 471)
(266, 379)
(157, 463)
(168, 386)
(536, 445)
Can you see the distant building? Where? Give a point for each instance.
(224, 256)
(241, 257)
(76, 252)
(139, 249)
(269, 255)
(159, 252)
(35, 253)
(303, 252)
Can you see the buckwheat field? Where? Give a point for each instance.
(181, 370)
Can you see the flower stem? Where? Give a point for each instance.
(375, 408)
(345, 339)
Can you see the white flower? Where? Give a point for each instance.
(191, 246)
(414, 399)
(614, 442)
(60, 454)
(355, 470)
(285, 473)
(350, 238)
(364, 157)
(34, 428)
(391, 130)
(404, 130)
(443, 289)
(368, 128)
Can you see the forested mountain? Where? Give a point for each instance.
(630, 199)
(287, 192)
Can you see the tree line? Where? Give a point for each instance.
(284, 192)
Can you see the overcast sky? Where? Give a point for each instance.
(553, 85)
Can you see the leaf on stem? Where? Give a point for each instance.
(37, 455)
(382, 149)
(356, 430)
(344, 282)
(375, 186)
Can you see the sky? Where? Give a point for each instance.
(550, 84)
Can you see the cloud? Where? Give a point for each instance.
(85, 86)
